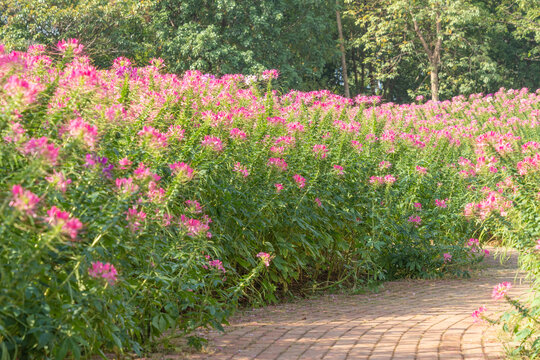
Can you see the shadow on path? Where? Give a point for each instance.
(414, 319)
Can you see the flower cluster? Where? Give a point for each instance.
(105, 271)
(242, 169)
(501, 290)
(24, 200)
(62, 219)
(265, 257)
(277, 163)
(300, 180)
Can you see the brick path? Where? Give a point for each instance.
(420, 319)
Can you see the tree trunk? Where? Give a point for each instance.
(362, 74)
(372, 80)
(355, 70)
(433, 54)
(434, 82)
(342, 48)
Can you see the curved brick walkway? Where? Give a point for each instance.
(420, 319)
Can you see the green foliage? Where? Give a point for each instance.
(172, 186)
(108, 29)
(486, 44)
(481, 50)
(222, 37)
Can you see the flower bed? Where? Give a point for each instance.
(136, 202)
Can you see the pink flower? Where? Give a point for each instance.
(72, 227)
(537, 244)
(318, 201)
(385, 165)
(193, 206)
(16, 132)
(477, 314)
(473, 242)
(80, 129)
(213, 143)
(59, 181)
(217, 264)
(182, 170)
(153, 137)
(265, 257)
(24, 200)
(277, 150)
(166, 218)
(105, 271)
(277, 163)
(421, 170)
(286, 141)
(126, 186)
(68, 225)
(415, 220)
(121, 62)
(300, 181)
(175, 132)
(529, 164)
(237, 134)
(295, 126)
(320, 151)
(376, 180)
(276, 120)
(441, 203)
(279, 187)
(73, 44)
(41, 148)
(195, 227)
(389, 179)
(500, 290)
(144, 173)
(135, 219)
(158, 63)
(338, 169)
(270, 74)
(355, 144)
(116, 112)
(418, 205)
(447, 257)
(20, 91)
(241, 169)
(124, 163)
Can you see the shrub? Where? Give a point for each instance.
(136, 202)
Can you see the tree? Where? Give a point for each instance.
(342, 49)
(298, 37)
(108, 29)
(406, 27)
(442, 48)
(231, 36)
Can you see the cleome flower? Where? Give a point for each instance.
(300, 181)
(62, 219)
(23, 200)
(477, 314)
(213, 143)
(265, 257)
(105, 271)
(277, 163)
(182, 170)
(501, 290)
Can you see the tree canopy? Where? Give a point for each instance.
(398, 49)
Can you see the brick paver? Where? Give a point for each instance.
(416, 319)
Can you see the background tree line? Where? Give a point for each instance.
(395, 48)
